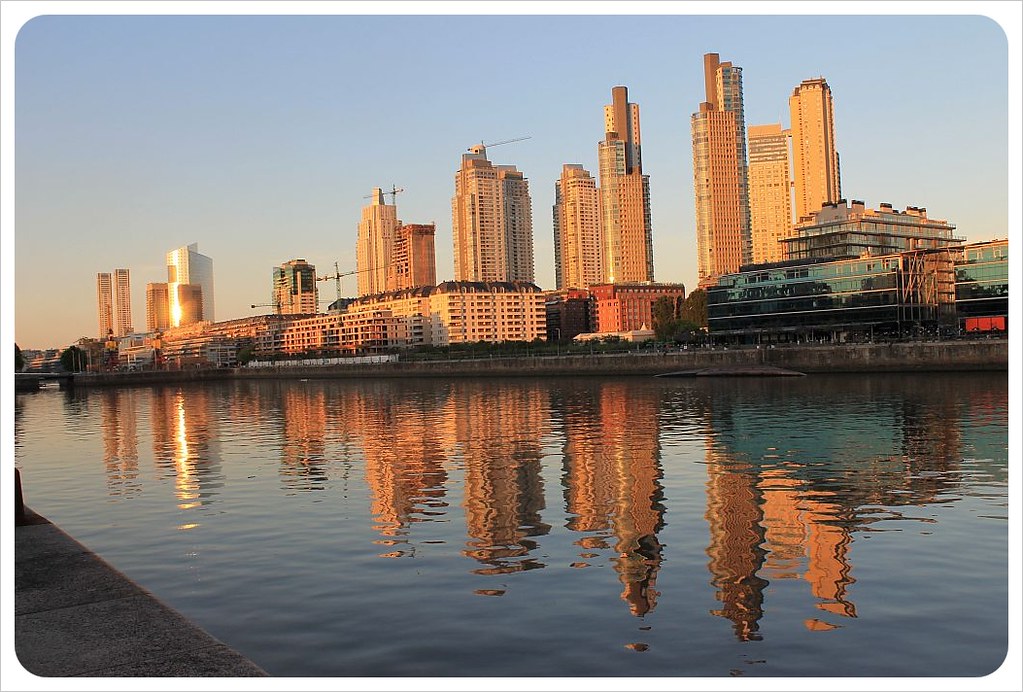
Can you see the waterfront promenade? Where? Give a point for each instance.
(75, 615)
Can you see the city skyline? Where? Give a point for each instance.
(256, 182)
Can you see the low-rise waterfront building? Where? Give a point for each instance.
(569, 312)
(837, 300)
(626, 307)
(491, 311)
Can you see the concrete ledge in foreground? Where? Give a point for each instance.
(75, 615)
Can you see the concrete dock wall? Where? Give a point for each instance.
(983, 355)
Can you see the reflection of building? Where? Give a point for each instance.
(404, 461)
(612, 482)
(770, 204)
(186, 447)
(498, 429)
(626, 226)
(736, 549)
(303, 437)
(185, 266)
(776, 515)
(294, 288)
(120, 440)
(720, 173)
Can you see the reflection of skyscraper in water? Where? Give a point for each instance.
(185, 447)
(613, 482)
(404, 461)
(120, 440)
(806, 538)
(498, 429)
(776, 514)
(736, 543)
(303, 439)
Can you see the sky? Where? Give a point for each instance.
(260, 137)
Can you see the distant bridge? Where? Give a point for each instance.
(31, 381)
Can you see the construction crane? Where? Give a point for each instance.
(337, 279)
(497, 144)
(393, 192)
(275, 306)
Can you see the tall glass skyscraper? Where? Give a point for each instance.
(186, 267)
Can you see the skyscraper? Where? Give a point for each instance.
(628, 253)
(578, 250)
(413, 258)
(492, 221)
(122, 302)
(294, 288)
(375, 243)
(770, 199)
(186, 267)
(814, 157)
(113, 297)
(157, 307)
(105, 303)
(720, 173)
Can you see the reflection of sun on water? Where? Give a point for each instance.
(184, 483)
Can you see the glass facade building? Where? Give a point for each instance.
(982, 286)
(838, 300)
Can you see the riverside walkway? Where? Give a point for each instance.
(75, 615)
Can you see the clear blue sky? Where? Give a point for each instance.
(259, 137)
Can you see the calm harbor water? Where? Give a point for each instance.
(815, 526)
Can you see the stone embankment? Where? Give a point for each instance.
(918, 356)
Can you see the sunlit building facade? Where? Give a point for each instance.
(494, 311)
(294, 288)
(720, 177)
(185, 266)
(630, 307)
(626, 225)
(105, 303)
(770, 198)
(122, 302)
(578, 250)
(375, 243)
(157, 307)
(492, 222)
(843, 230)
(413, 257)
(817, 180)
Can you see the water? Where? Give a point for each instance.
(817, 526)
